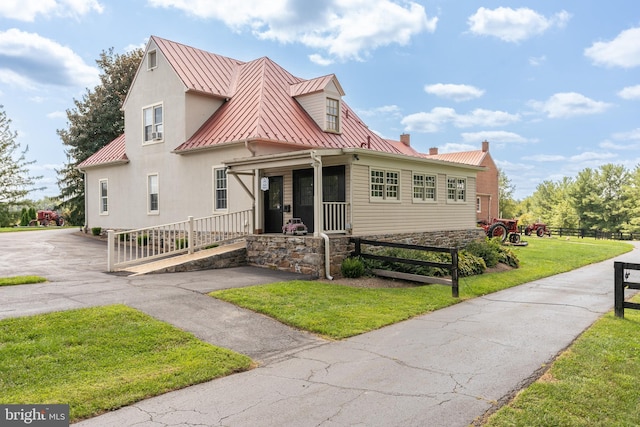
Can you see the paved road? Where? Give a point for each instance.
(441, 369)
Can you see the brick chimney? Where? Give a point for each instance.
(433, 151)
(405, 138)
(485, 146)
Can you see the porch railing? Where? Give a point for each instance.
(145, 244)
(335, 217)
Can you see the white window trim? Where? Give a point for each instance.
(151, 53)
(153, 141)
(435, 188)
(101, 212)
(384, 198)
(148, 195)
(478, 205)
(466, 189)
(326, 115)
(215, 189)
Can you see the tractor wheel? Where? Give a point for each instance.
(527, 231)
(44, 223)
(33, 223)
(514, 238)
(498, 230)
(540, 232)
(60, 222)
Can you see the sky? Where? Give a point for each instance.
(554, 86)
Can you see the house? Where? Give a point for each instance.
(206, 135)
(487, 185)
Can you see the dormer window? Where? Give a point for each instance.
(152, 60)
(333, 115)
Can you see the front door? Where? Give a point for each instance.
(273, 205)
(303, 196)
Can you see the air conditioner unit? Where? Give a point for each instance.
(156, 135)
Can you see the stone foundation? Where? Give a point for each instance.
(305, 254)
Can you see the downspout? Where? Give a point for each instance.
(86, 204)
(317, 169)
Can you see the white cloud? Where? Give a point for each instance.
(433, 121)
(513, 25)
(569, 104)
(320, 60)
(546, 158)
(630, 92)
(623, 51)
(536, 61)
(388, 110)
(456, 92)
(497, 137)
(28, 59)
(28, 10)
(507, 166)
(452, 147)
(628, 136)
(346, 29)
(590, 156)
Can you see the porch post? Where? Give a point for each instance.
(318, 209)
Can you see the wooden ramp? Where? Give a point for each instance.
(188, 262)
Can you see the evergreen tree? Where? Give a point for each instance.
(95, 121)
(507, 205)
(15, 181)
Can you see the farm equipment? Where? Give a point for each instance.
(538, 228)
(294, 226)
(47, 218)
(503, 229)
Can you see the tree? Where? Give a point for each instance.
(15, 181)
(507, 205)
(95, 121)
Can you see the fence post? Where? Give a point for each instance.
(454, 273)
(110, 250)
(190, 240)
(618, 290)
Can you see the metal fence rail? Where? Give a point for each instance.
(130, 247)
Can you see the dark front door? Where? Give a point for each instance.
(273, 205)
(303, 196)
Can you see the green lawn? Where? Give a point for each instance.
(100, 359)
(21, 280)
(338, 311)
(594, 383)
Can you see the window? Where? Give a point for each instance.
(152, 191)
(478, 205)
(220, 188)
(385, 185)
(152, 60)
(152, 122)
(333, 111)
(104, 202)
(456, 189)
(424, 187)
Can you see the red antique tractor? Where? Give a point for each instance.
(503, 229)
(538, 228)
(47, 218)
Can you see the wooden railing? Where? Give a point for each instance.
(335, 217)
(620, 283)
(145, 244)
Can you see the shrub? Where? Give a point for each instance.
(124, 237)
(352, 268)
(96, 231)
(182, 243)
(143, 240)
(509, 258)
(470, 264)
(487, 249)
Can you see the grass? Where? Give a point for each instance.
(21, 280)
(100, 359)
(337, 311)
(594, 383)
(15, 229)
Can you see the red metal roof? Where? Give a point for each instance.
(113, 152)
(474, 158)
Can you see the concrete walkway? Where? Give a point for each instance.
(446, 368)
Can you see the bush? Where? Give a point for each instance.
(509, 258)
(352, 268)
(182, 243)
(124, 237)
(470, 264)
(487, 249)
(96, 231)
(143, 240)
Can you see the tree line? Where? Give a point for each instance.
(604, 198)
